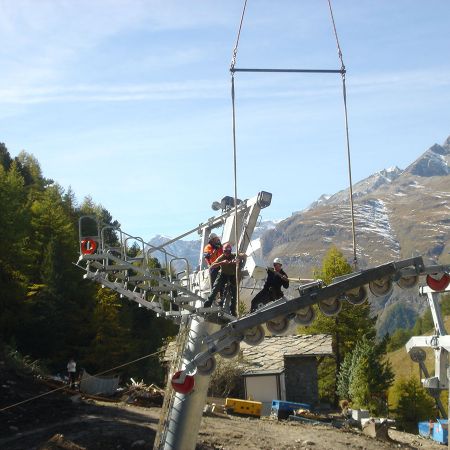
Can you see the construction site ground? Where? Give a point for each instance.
(65, 420)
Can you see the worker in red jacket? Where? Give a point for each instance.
(227, 265)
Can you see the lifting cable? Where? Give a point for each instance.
(233, 63)
(344, 95)
(342, 71)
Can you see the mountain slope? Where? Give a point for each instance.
(398, 214)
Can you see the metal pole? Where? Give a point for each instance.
(342, 71)
(235, 196)
(185, 415)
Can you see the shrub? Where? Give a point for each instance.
(413, 404)
(227, 379)
(14, 360)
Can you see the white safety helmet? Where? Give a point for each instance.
(212, 236)
(277, 261)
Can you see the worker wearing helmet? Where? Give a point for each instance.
(227, 265)
(276, 278)
(211, 252)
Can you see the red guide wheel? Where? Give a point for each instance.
(182, 388)
(438, 284)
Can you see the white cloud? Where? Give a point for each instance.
(404, 80)
(44, 43)
(114, 93)
(266, 88)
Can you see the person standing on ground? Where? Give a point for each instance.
(72, 371)
(276, 278)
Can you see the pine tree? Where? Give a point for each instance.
(365, 376)
(14, 217)
(413, 404)
(14, 228)
(343, 379)
(5, 157)
(350, 325)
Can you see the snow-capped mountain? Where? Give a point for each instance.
(182, 249)
(398, 214)
(372, 183)
(263, 227)
(434, 162)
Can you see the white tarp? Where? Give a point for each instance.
(98, 385)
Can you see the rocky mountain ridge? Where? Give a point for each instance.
(398, 214)
(389, 206)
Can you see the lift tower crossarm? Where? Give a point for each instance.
(235, 331)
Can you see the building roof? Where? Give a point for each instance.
(269, 355)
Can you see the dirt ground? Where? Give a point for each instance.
(66, 421)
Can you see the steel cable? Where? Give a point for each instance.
(233, 62)
(344, 94)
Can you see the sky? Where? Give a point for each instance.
(129, 101)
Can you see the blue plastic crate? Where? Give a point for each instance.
(283, 405)
(425, 428)
(282, 409)
(440, 431)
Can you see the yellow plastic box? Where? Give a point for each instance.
(246, 407)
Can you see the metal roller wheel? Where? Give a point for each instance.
(408, 282)
(254, 336)
(330, 306)
(305, 316)
(208, 367)
(417, 355)
(357, 296)
(230, 351)
(380, 287)
(278, 326)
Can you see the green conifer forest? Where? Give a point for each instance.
(48, 312)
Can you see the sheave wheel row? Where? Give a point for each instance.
(305, 316)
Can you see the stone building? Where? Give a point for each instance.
(285, 368)
(280, 368)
